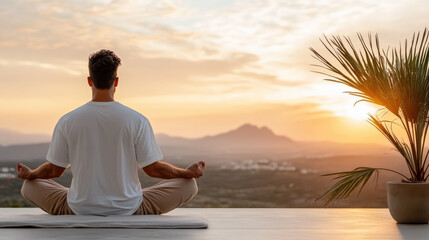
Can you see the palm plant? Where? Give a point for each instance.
(395, 79)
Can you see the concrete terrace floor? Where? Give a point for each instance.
(247, 224)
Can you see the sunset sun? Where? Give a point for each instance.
(359, 112)
(348, 110)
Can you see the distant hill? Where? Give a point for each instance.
(24, 152)
(246, 139)
(252, 139)
(246, 136)
(9, 137)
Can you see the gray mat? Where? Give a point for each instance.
(73, 221)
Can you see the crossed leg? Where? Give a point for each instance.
(167, 195)
(160, 198)
(48, 195)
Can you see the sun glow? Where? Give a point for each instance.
(357, 112)
(349, 110)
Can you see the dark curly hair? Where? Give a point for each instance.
(103, 66)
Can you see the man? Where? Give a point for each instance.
(104, 143)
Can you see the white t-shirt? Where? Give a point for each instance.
(104, 143)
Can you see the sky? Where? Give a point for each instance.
(194, 68)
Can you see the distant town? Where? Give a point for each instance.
(7, 173)
(264, 164)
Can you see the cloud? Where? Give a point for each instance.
(188, 52)
(8, 43)
(167, 76)
(270, 79)
(42, 65)
(189, 68)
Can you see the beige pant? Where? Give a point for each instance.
(160, 198)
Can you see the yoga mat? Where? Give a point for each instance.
(79, 221)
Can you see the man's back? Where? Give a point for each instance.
(104, 142)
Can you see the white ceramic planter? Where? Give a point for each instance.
(408, 202)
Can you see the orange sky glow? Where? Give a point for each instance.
(194, 68)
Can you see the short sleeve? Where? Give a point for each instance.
(146, 147)
(58, 153)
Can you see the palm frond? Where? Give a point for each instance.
(396, 79)
(399, 145)
(347, 183)
(364, 72)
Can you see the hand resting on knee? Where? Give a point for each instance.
(165, 170)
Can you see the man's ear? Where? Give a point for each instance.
(90, 82)
(116, 82)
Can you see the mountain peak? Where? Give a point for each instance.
(247, 136)
(250, 128)
(247, 127)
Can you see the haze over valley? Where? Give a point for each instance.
(249, 166)
(247, 139)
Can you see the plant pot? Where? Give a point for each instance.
(408, 202)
